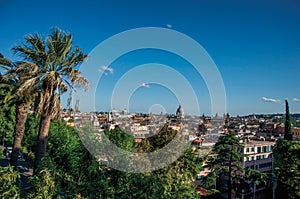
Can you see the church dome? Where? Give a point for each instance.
(180, 112)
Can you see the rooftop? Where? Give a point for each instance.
(258, 143)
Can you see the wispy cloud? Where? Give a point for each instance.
(106, 70)
(265, 99)
(296, 99)
(169, 25)
(145, 85)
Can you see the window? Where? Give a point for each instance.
(247, 150)
(259, 149)
(264, 149)
(270, 156)
(252, 158)
(264, 165)
(252, 149)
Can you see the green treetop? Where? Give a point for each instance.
(226, 161)
(288, 134)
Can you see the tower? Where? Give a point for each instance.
(109, 117)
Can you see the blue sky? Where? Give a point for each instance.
(254, 44)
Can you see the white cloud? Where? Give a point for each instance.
(106, 69)
(296, 99)
(145, 85)
(169, 26)
(269, 100)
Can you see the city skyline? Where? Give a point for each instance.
(255, 46)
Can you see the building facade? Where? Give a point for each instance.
(258, 156)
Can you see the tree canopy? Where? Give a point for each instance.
(226, 162)
(287, 169)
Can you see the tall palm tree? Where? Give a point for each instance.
(21, 92)
(57, 62)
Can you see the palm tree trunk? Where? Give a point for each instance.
(22, 111)
(42, 141)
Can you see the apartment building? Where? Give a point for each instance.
(258, 156)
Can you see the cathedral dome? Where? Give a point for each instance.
(180, 112)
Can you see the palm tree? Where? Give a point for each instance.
(57, 62)
(21, 91)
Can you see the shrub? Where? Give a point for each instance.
(9, 183)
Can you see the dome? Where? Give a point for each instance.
(180, 112)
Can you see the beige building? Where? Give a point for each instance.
(258, 156)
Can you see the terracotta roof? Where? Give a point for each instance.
(203, 192)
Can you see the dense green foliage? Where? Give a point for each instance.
(9, 183)
(69, 171)
(68, 165)
(53, 62)
(30, 137)
(44, 184)
(287, 162)
(287, 168)
(7, 116)
(226, 162)
(123, 140)
(19, 82)
(7, 123)
(157, 141)
(175, 180)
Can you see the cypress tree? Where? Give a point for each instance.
(288, 135)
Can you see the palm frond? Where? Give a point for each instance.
(5, 63)
(53, 70)
(81, 81)
(32, 49)
(15, 80)
(29, 83)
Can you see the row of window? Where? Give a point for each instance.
(258, 157)
(260, 149)
(264, 165)
(140, 135)
(261, 166)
